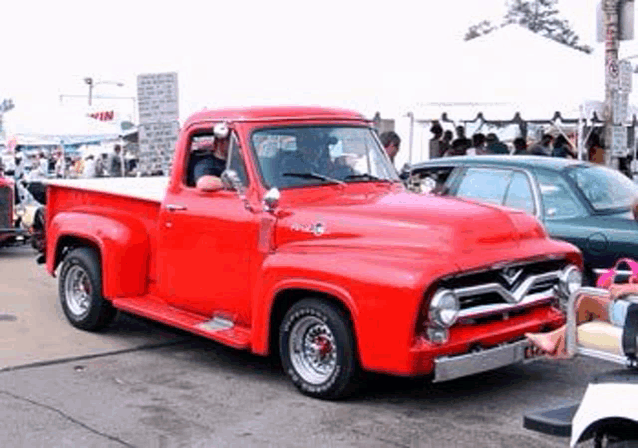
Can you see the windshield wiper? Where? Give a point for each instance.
(365, 176)
(311, 175)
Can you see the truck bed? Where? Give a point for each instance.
(147, 188)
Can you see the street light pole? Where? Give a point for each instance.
(88, 80)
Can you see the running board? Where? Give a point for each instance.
(218, 329)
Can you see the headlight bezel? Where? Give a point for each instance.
(440, 304)
(567, 278)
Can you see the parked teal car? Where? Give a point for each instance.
(585, 204)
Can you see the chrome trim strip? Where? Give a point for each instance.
(532, 299)
(515, 297)
(451, 367)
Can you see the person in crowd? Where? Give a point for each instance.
(89, 167)
(18, 172)
(60, 163)
(459, 147)
(562, 148)
(391, 142)
(520, 146)
(495, 146)
(43, 166)
(542, 148)
(595, 150)
(446, 143)
(478, 145)
(115, 166)
(461, 143)
(435, 141)
(77, 165)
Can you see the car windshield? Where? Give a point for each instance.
(317, 155)
(604, 188)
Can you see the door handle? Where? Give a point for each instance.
(175, 207)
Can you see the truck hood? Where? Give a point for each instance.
(403, 223)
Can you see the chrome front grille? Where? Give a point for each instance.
(6, 198)
(506, 286)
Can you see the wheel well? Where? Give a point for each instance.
(286, 299)
(616, 426)
(68, 243)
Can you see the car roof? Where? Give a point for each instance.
(550, 163)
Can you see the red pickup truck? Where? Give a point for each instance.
(287, 230)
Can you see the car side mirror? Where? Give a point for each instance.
(208, 184)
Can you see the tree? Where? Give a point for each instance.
(539, 16)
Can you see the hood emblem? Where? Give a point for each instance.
(317, 229)
(511, 274)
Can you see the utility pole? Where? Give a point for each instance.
(611, 9)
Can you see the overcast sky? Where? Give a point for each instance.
(234, 53)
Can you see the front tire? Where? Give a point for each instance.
(80, 289)
(317, 349)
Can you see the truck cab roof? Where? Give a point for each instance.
(268, 113)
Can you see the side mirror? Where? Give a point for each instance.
(209, 184)
(271, 199)
(221, 130)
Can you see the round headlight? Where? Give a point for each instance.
(444, 308)
(571, 279)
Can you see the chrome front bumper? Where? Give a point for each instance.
(451, 367)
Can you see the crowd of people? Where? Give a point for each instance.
(446, 144)
(48, 164)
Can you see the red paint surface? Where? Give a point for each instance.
(382, 249)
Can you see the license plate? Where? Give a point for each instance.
(532, 352)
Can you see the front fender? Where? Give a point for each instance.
(123, 243)
(383, 297)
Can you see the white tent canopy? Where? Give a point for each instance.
(57, 120)
(515, 70)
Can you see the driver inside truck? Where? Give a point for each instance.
(213, 160)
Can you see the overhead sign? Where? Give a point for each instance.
(619, 141)
(157, 98)
(107, 115)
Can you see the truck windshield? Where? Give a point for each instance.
(317, 155)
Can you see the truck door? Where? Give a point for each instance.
(206, 241)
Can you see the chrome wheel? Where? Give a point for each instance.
(313, 351)
(77, 291)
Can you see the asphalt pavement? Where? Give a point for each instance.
(140, 384)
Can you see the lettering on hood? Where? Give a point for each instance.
(316, 229)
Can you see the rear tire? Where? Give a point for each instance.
(317, 350)
(80, 289)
